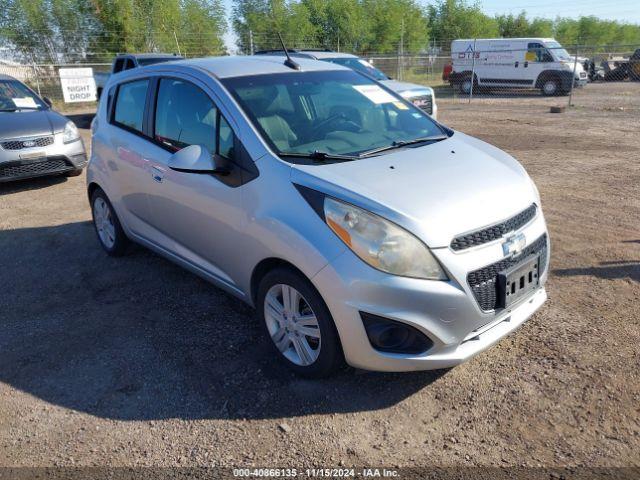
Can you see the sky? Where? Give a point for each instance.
(621, 10)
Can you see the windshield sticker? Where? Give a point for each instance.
(375, 93)
(24, 102)
(400, 106)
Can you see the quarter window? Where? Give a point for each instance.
(130, 101)
(185, 115)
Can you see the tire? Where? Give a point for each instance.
(551, 87)
(465, 86)
(74, 173)
(316, 355)
(108, 229)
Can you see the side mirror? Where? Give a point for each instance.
(48, 101)
(198, 159)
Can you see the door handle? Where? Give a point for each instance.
(157, 173)
(526, 64)
(517, 64)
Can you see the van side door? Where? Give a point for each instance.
(537, 59)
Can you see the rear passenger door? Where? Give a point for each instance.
(198, 215)
(126, 156)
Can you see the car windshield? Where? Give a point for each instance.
(16, 96)
(558, 51)
(359, 65)
(332, 112)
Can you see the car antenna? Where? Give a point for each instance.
(288, 62)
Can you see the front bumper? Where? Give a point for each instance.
(446, 312)
(29, 162)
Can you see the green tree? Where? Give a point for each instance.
(513, 26)
(451, 19)
(266, 18)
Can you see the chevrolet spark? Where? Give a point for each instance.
(360, 229)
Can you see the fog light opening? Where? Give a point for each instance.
(390, 336)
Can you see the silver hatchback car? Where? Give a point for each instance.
(358, 227)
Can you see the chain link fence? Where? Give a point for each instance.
(489, 72)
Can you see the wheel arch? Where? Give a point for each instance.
(263, 268)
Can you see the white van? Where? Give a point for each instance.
(540, 63)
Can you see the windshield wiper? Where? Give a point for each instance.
(400, 144)
(319, 156)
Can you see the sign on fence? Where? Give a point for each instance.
(78, 85)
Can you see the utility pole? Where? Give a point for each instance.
(250, 42)
(401, 52)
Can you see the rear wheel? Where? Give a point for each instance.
(108, 228)
(465, 86)
(297, 321)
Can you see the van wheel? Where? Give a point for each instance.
(465, 86)
(108, 228)
(550, 87)
(299, 324)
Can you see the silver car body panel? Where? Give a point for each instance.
(222, 233)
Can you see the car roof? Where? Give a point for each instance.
(238, 66)
(6, 77)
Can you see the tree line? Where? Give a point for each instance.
(56, 31)
(59, 31)
(384, 26)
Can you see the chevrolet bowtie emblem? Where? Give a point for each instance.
(514, 244)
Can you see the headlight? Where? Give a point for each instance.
(70, 133)
(380, 243)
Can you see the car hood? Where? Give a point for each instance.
(406, 88)
(30, 123)
(437, 191)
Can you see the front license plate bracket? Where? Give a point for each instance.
(518, 281)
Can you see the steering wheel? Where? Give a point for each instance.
(341, 117)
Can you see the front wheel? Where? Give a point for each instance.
(550, 87)
(107, 226)
(299, 324)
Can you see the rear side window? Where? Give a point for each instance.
(130, 101)
(185, 115)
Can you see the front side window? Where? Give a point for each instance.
(16, 96)
(335, 112)
(536, 52)
(186, 115)
(130, 102)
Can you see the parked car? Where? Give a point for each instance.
(357, 226)
(35, 140)
(420, 95)
(127, 61)
(533, 63)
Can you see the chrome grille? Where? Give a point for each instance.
(20, 143)
(423, 102)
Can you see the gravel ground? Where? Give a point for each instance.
(133, 361)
